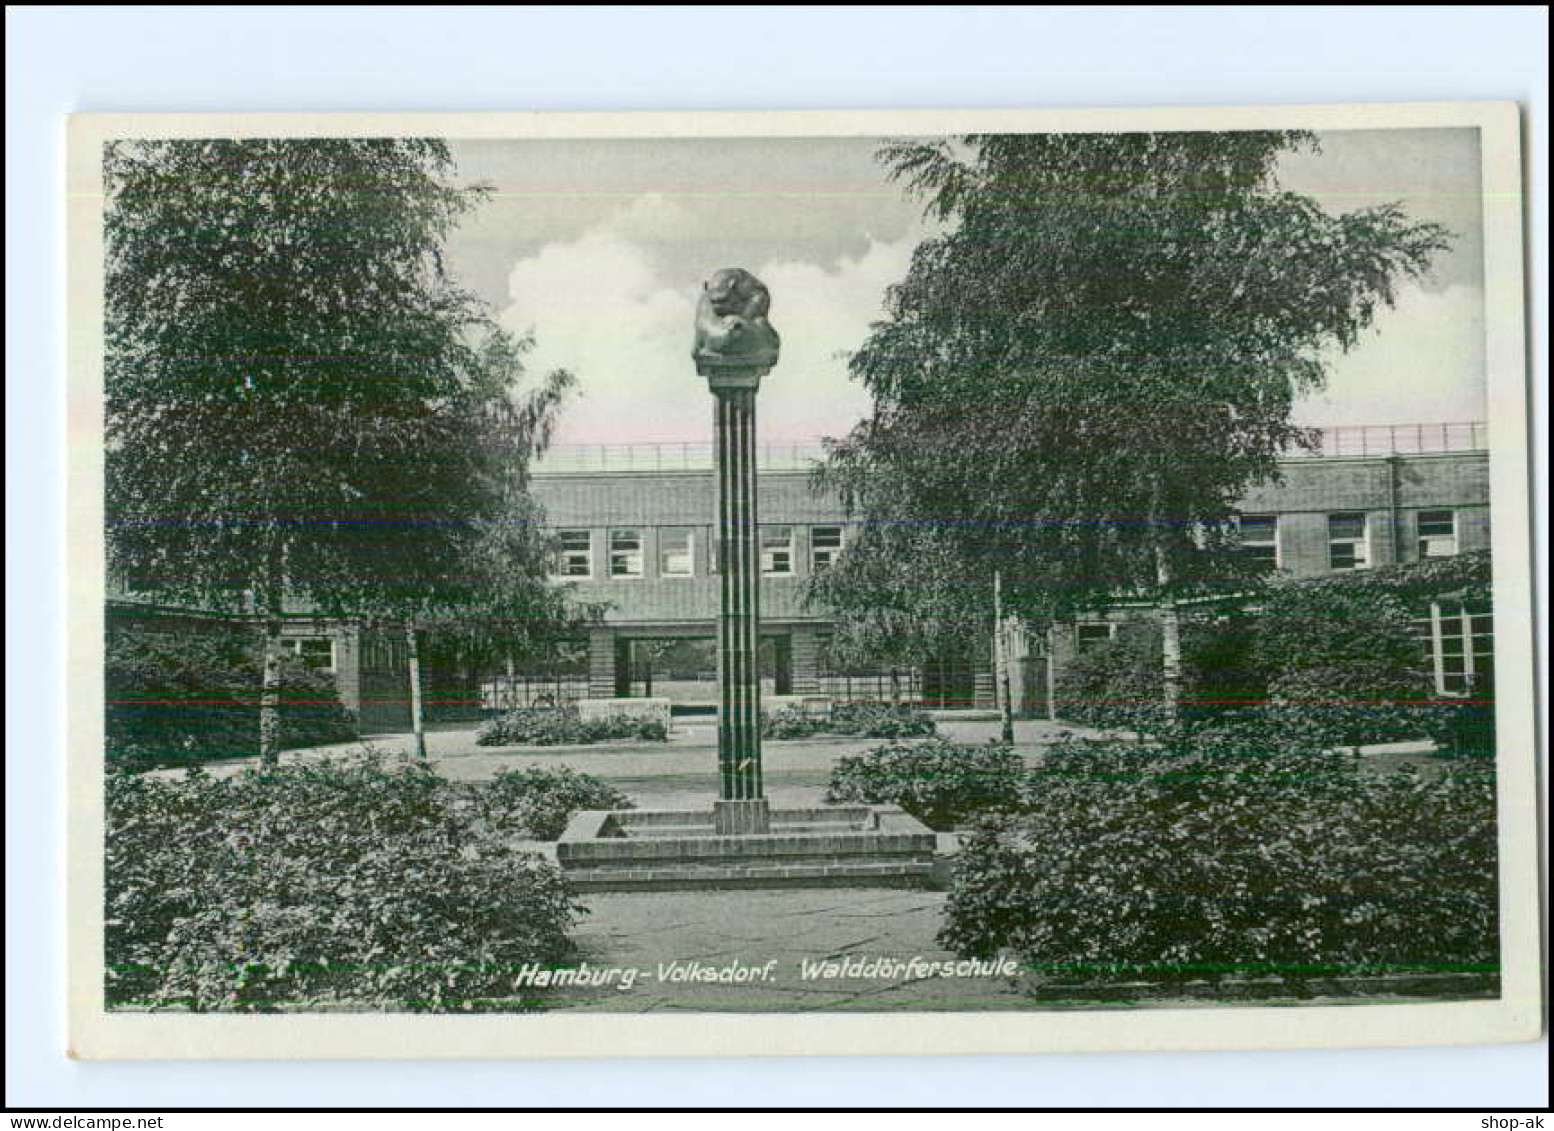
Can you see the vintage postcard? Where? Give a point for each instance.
(797, 583)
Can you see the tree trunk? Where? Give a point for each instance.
(270, 686)
(895, 687)
(1170, 642)
(1170, 619)
(417, 719)
(1052, 673)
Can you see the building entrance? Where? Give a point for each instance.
(684, 670)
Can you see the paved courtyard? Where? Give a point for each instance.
(670, 941)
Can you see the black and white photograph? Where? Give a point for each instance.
(976, 582)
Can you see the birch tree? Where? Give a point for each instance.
(1097, 356)
(295, 387)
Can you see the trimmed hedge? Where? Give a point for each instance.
(187, 697)
(942, 783)
(1231, 853)
(564, 726)
(360, 883)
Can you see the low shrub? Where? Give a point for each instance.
(941, 783)
(563, 726)
(863, 718)
(359, 883)
(539, 801)
(186, 697)
(872, 719)
(1466, 728)
(1230, 854)
(791, 722)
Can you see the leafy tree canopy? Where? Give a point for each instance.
(299, 399)
(1082, 374)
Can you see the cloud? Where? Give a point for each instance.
(823, 314)
(606, 306)
(600, 306)
(1420, 362)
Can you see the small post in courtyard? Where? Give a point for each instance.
(1001, 660)
(735, 346)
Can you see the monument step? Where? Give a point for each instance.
(647, 832)
(682, 877)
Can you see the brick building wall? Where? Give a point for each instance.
(1389, 491)
(1392, 493)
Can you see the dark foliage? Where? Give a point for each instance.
(189, 697)
(863, 718)
(537, 802)
(939, 782)
(1344, 665)
(1088, 364)
(302, 406)
(869, 718)
(1231, 853)
(1118, 684)
(356, 884)
(792, 722)
(563, 726)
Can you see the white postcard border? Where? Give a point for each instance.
(1517, 1015)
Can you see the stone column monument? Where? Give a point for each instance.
(735, 346)
(745, 844)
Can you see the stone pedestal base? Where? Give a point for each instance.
(680, 850)
(741, 818)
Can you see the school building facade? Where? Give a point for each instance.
(634, 527)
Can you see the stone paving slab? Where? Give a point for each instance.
(727, 932)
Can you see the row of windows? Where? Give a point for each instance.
(1348, 545)
(1348, 538)
(626, 554)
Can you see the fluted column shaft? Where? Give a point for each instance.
(739, 619)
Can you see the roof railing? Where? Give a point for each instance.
(578, 459)
(1398, 439)
(1342, 441)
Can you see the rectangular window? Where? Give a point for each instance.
(577, 554)
(314, 651)
(1092, 634)
(1260, 539)
(1437, 534)
(675, 552)
(1348, 541)
(777, 549)
(825, 543)
(625, 553)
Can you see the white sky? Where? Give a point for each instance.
(599, 249)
